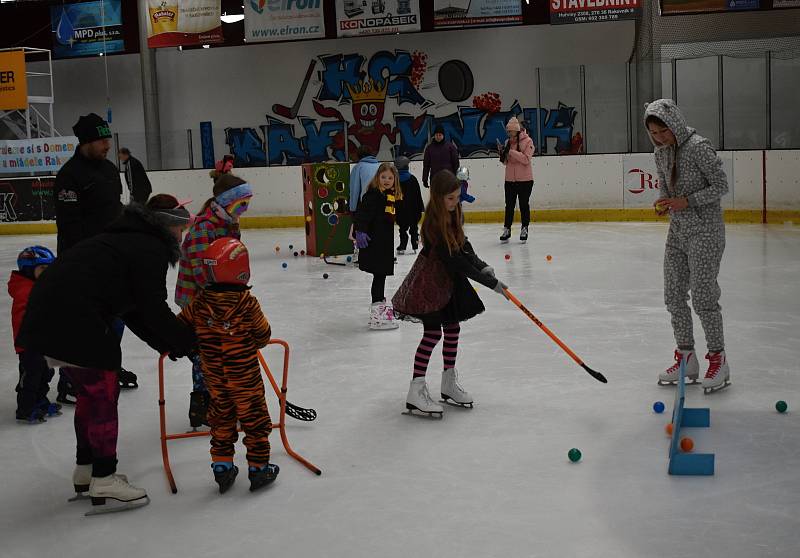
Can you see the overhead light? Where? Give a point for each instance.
(233, 18)
(101, 54)
(206, 46)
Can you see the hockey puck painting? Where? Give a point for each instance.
(456, 81)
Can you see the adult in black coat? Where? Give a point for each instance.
(88, 188)
(135, 176)
(72, 307)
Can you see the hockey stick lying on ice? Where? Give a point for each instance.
(596, 375)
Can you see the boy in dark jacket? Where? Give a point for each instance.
(410, 208)
(34, 374)
(70, 315)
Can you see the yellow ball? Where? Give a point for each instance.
(308, 219)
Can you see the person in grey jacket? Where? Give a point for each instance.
(692, 185)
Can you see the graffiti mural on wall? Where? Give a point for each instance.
(335, 131)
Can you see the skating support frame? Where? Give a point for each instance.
(280, 425)
(682, 417)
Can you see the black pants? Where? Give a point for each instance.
(406, 230)
(521, 190)
(34, 383)
(378, 288)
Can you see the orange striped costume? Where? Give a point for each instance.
(230, 329)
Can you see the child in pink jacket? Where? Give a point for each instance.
(516, 155)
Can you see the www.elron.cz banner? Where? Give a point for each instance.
(183, 23)
(266, 21)
(36, 155)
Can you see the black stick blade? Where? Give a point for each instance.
(300, 413)
(596, 375)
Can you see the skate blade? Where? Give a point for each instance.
(691, 382)
(117, 506)
(129, 386)
(384, 327)
(707, 391)
(453, 403)
(79, 496)
(422, 414)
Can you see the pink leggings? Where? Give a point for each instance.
(96, 424)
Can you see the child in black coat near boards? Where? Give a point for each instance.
(438, 293)
(410, 208)
(373, 224)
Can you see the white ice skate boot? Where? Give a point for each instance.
(381, 316)
(671, 374)
(452, 390)
(718, 375)
(505, 236)
(81, 479)
(124, 495)
(419, 399)
(523, 235)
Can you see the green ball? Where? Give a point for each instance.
(574, 455)
(781, 406)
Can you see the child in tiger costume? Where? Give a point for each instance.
(230, 329)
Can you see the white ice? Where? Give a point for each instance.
(491, 481)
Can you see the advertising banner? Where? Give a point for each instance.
(672, 7)
(641, 185)
(376, 17)
(36, 155)
(283, 20)
(13, 82)
(87, 29)
(472, 13)
(591, 11)
(786, 3)
(183, 23)
(27, 199)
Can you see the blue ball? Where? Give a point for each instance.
(284, 265)
(658, 407)
(349, 259)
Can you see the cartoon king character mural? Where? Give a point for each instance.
(293, 136)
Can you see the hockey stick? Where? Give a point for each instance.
(327, 243)
(291, 113)
(596, 375)
(292, 410)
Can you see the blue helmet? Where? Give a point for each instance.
(33, 256)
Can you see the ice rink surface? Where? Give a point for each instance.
(491, 481)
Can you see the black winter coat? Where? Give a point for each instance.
(119, 273)
(462, 265)
(371, 217)
(136, 178)
(410, 208)
(87, 199)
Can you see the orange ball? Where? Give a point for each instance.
(687, 444)
(277, 248)
(549, 257)
(668, 428)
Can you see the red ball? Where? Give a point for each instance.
(668, 428)
(687, 444)
(508, 256)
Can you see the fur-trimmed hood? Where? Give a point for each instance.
(136, 217)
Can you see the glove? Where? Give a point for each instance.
(488, 270)
(500, 288)
(424, 183)
(362, 240)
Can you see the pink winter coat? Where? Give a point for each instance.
(518, 163)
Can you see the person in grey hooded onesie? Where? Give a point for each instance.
(692, 185)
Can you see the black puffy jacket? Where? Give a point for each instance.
(119, 273)
(87, 200)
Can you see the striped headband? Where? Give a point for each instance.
(239, 192)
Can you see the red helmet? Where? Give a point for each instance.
(227, 261)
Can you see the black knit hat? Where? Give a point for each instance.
(401, 163)
(439, 129)
(90, 128)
